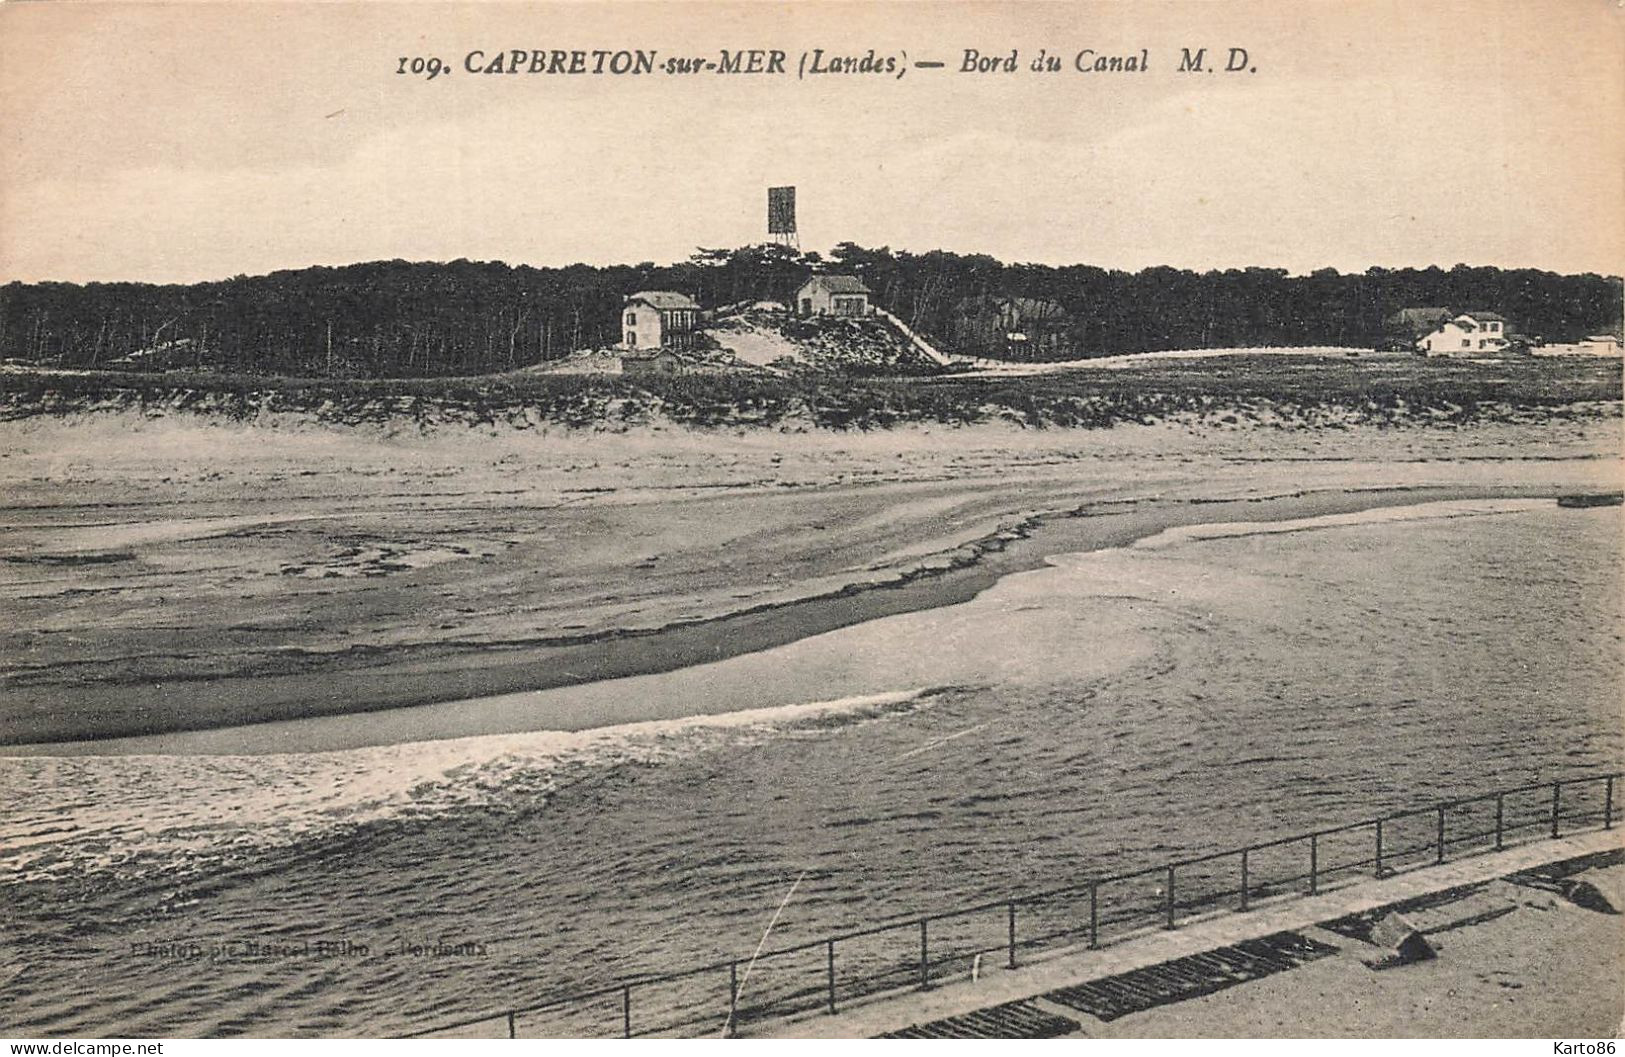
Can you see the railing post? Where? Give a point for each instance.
(1012, 935)
(1094, 915)
(1170, 896)
(1557, 801)
(1378, 871)
(1438, 856)
(733, 994)
(925, 972)
(626, 1011)
(1244, 885)
(1500, 820)
(1608, 804)
(831, 964)
(1314, 862)
(513, 1032)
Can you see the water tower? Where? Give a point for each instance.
(781, 216)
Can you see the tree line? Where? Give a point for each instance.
(407, 319)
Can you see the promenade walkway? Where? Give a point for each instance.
(997, 986)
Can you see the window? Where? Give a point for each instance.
(631, 319)
(631, 339)
(1495, 327)
(1466, 343)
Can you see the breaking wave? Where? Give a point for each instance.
(128, 815)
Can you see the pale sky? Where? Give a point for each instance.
(178, 142)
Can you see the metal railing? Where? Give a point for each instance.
(914, 951)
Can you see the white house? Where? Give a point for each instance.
(1596, 345)
(1466, 334)
(1602, 345)
(656, 319)
(832, 295)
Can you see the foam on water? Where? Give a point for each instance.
(66, 814)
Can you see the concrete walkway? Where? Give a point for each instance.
(1047, 971)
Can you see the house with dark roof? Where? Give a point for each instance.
(832, 295)
(1013, 327)
(1412, 324)
(651, 361)
(1446, 332)
(659, 319)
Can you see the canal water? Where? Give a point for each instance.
(1198, 690)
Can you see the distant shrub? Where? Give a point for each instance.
(1243, 387)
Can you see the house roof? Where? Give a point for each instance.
(1036, 306)
(1030, 308)
(663, 299)
(1419, 320)
(1486, 316)
(838, 284)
